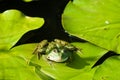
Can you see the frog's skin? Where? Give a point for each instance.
(57, 50)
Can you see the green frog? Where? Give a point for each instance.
(57, 50)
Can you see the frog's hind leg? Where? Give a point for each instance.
(39, 55)
(35, 50)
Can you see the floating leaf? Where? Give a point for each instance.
(15, 68)
(97, 21)
(13, 24)
(109, 70)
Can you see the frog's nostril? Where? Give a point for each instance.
(48, 57)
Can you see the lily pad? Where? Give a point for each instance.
(13, 24)
(109, 70)
(15, 68)
(96, 21)
(27, 0)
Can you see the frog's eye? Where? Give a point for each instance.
(55, 50)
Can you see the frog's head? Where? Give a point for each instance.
(59, 55)
(57, 50)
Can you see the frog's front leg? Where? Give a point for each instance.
(41, 48)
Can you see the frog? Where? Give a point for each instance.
(56, 50)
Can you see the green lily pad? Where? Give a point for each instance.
(109, 70)
(27, 0)
(13, 24)
(79, 66)
(97, 21)
(15, 68)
